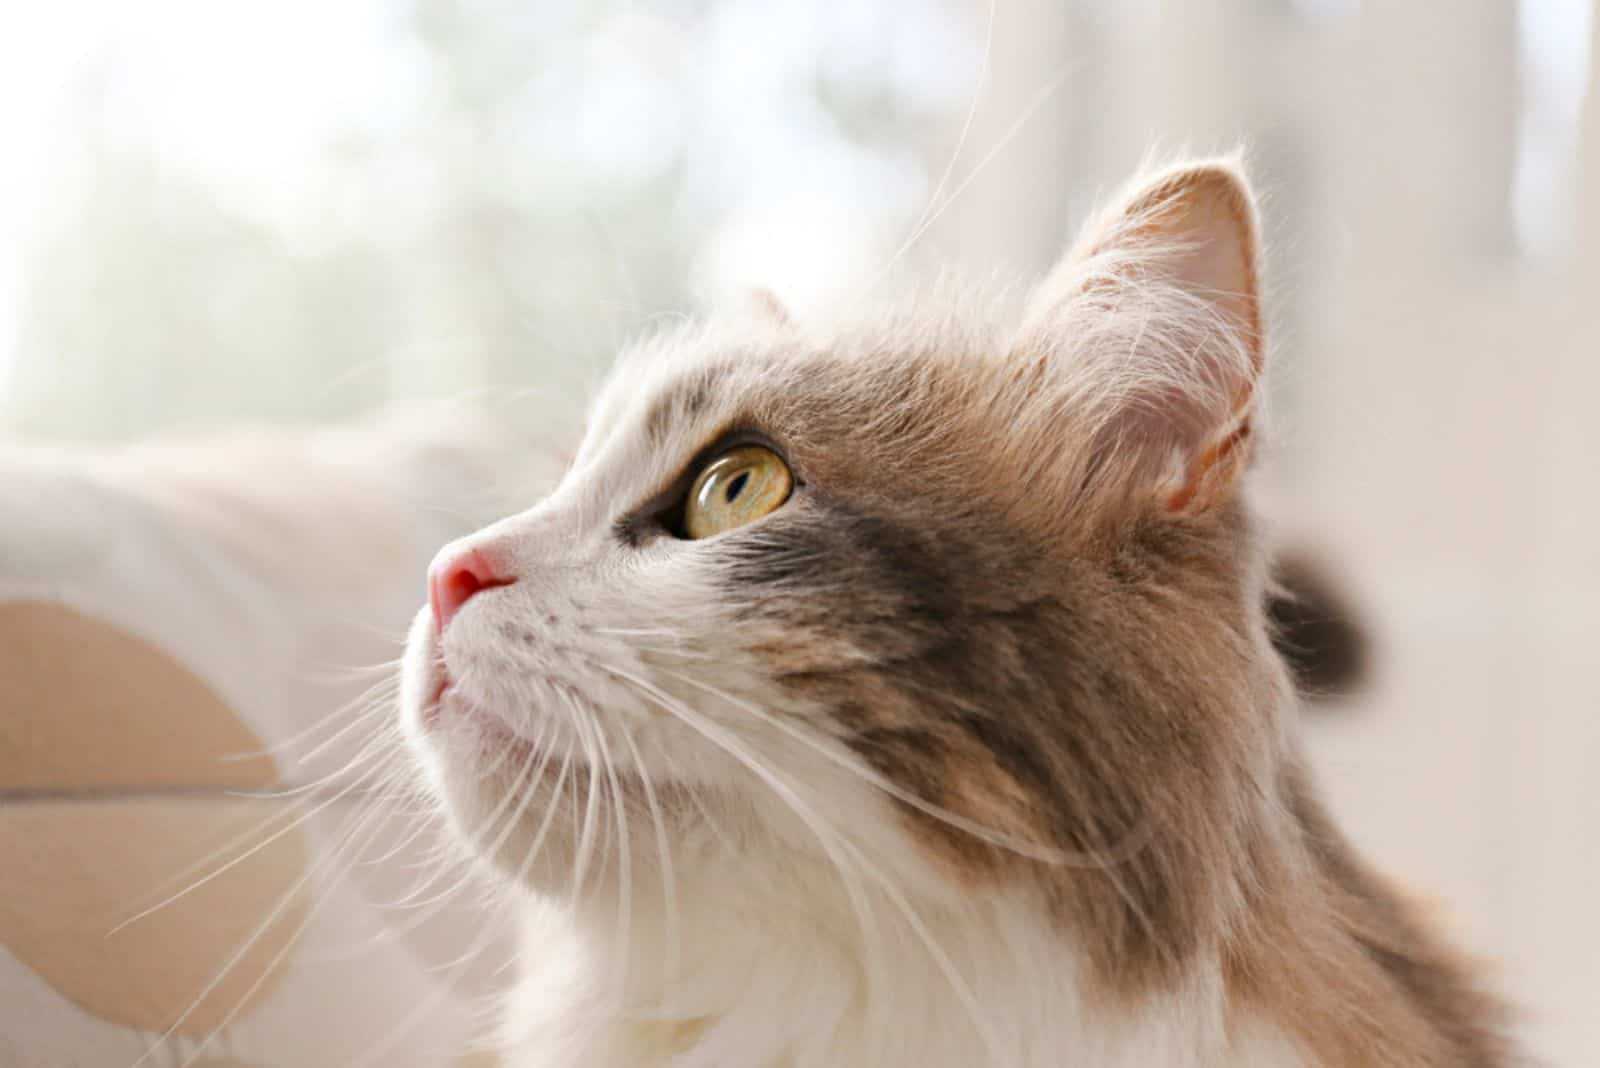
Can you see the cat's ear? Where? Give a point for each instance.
(1152, 327)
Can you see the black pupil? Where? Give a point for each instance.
(736, 487)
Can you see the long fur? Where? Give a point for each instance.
(975, 751)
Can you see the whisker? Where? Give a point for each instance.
(591, 808)
(958, 983)
(624, 853)
(384, 742)
(273, 915)
(1050, 89)
(669, 892)
(826, 836)
(831, 841)
(708, 817)
(384, 707)
(456, 968)
(279, 812)
(374, 694)
(979, 85)
(537, 757)
(242, 857)
(333, 859)
(1045, 854)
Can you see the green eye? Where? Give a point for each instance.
(736, 488)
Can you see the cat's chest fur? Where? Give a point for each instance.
(790, 989)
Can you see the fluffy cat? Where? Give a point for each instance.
(904, 696)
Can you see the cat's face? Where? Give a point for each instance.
(768, 664)
(975, 601)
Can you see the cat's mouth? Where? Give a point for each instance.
(447, 706)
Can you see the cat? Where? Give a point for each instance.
(902, 693)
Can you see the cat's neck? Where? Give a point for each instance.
(1324, 965)
(802, 972)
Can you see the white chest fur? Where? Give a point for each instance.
(763, 986)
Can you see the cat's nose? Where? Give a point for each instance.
(455, 575)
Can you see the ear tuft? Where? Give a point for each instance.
(1154, 325)
(1206, 215)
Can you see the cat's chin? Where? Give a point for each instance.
(519, 812)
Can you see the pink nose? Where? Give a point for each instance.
(452, 580)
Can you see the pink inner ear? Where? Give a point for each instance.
(1204, 219)
(1212, 472)
(1159, 325)
(1213, 221)
(1151, 331)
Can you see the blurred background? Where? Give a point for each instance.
(218, 214)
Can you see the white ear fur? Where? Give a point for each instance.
(1152, 325)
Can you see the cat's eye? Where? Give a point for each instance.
(737, 487)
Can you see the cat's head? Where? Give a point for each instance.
(968, 595)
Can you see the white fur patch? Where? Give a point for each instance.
(766, 986)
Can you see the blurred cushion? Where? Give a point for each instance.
(185, 623)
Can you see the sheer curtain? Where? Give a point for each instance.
(299, 210)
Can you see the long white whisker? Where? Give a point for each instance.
(427, 908)
(832, 840)
(532, 769)
(457, 967)
(242, 857)
(979, 85)
(624, 853)
(826, 836)
(669, 891)
(709, 818)
(591, 808)
(1044, 854)
(280, 813)
(384, 742)
(284, 901)
(1016, 127)
(374, 696)
(367, 824)
(311, 754)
